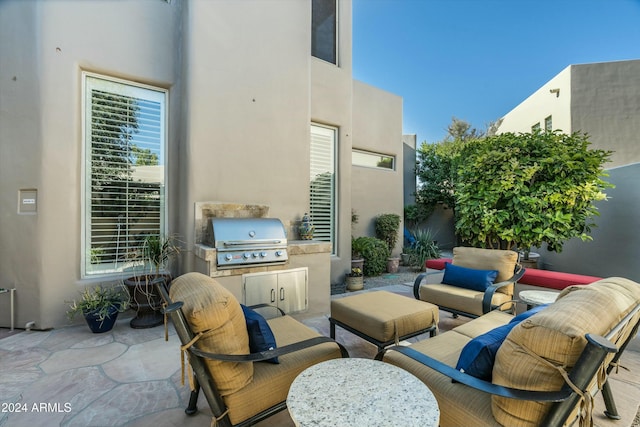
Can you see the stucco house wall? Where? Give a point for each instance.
(377, 122)
(603, 100)
(243, 92)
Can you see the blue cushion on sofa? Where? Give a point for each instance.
(260, 335)
(469, 278)
(479, 354)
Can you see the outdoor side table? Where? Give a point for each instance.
(11, 293)
(354, 392)
(534, 298)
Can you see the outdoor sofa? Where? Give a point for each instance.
(543, 370)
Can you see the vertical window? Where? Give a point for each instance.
(124, 172)
(322, 186)
(323, 30)
(536, 127)
(548, 124)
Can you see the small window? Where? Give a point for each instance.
(548, 124)
(372, 160)
(536, 127)
(323, 30)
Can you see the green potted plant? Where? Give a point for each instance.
(375, 253)
(100, 306)
(156, 253)
(387, 227)
(357, 261)
(424, 247)
(355, 279)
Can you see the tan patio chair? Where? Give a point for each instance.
(457, 297)
(241, 388)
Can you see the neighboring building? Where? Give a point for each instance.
(175, 104)
(603, 100)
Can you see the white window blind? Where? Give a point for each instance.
(124, 146)
(323, 183)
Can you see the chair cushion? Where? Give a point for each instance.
(271, 382)
(213, 310)
(469, 278)
(260, 335)
(488, 259)
(461, 299)
(557, 336)
(479, 354)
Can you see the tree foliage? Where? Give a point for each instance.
(528, 189)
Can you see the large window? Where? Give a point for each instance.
(323, 30)
(322, 185)
(124, 170)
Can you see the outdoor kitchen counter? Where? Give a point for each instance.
(313, 254)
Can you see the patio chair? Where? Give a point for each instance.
(240, 387)
(476, 282)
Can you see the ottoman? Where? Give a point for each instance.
(383, 318)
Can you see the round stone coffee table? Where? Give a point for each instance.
(360, 392)
(534, 298)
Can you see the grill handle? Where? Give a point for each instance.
(251, 242)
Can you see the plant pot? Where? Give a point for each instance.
(97, 326)
(146, 301)
(354, 283)
(393, 264)
(405, 258)
(357, 263)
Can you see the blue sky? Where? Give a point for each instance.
(478, 59)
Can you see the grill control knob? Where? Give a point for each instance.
(228, 257)
(246, 255)
(255, 254)
(263, 254)
(278, 253)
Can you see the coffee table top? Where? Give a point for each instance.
(360, 392)
(538, 297)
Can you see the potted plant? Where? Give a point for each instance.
(100, 306)
(424, 247)
(387, 227)
(357, 261)
(355, 280)
(157, 252)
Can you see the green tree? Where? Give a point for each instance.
(527, 189)
(437, 166)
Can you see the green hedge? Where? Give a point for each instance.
(375, 253)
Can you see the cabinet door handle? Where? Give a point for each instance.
(281, 294)
(273, 295)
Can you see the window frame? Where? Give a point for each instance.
(333, 230)
(94, 81)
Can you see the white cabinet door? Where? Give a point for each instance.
(285, 289)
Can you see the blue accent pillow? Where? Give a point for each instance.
(478, 356)
(260, 335)
(468, 278)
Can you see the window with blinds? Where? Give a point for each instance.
(322, 184)
(124, 189)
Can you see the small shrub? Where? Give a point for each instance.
(375, 253)
(387, 226)
(423, 248)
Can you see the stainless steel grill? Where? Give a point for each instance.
(247, 241)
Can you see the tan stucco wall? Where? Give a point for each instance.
(541, 104)
(44, 48)
(377, 123)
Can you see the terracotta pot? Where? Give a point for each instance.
(393, 264)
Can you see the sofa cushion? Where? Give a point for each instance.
(554, 279)
(469, 278)
(478, 355)
(213, 310)
(555, 338)
(462, 299)
(260, 335)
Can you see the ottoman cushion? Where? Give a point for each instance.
(384, 315)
